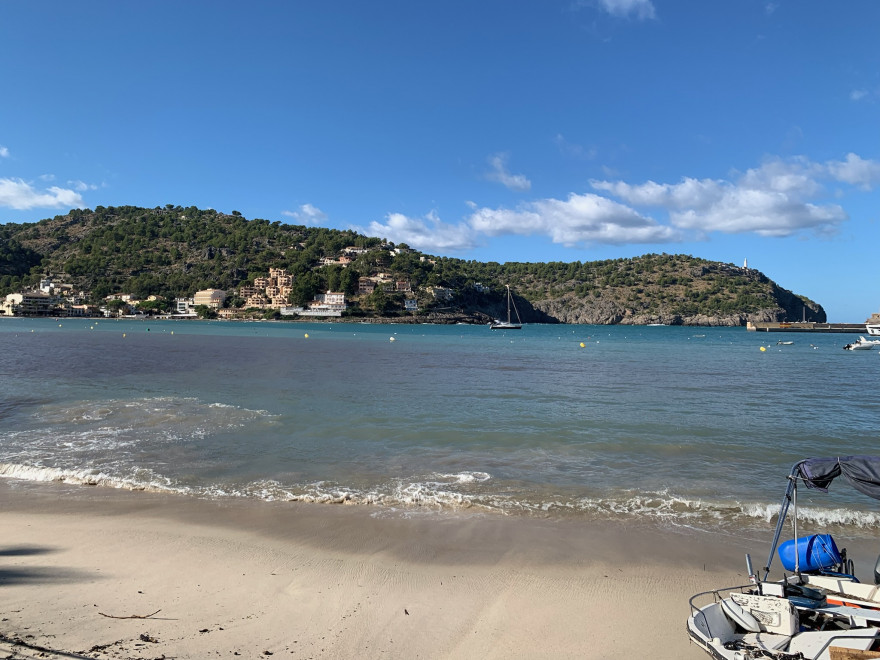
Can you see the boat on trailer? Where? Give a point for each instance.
(819, 610)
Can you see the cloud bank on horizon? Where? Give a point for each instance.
(772, 200)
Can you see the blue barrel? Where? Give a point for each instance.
(814, 553)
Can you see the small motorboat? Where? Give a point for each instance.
(819, 611)
(862, 344)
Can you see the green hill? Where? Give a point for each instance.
(173, 251)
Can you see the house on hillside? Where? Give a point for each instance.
(366, 285)
(441, 293)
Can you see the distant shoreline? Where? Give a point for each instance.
(460, 320)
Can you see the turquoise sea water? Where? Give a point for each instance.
(692, 427)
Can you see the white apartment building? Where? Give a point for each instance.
(213, 298)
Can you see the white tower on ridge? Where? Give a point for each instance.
(745, 263)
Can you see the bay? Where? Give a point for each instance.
(695, 428)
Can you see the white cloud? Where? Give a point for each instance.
(796, 177)
(500, 174)
(856, 171)
(641, 9)
(307, 214)
(572, 149)
(774, 199)
(690, 192)
(580, 219)
(766, 213)
(82, 186)
(858, 94)
(769, 200)
(428, 235)
(4, 152)
(20, 195)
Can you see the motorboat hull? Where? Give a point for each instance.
(740, 623)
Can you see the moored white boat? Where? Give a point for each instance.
(862, 344)
(873, 329)
(820, 611)
(497, 324)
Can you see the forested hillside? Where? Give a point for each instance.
(173, 251)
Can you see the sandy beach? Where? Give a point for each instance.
(101, 573)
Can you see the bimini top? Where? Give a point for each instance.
(863, 472)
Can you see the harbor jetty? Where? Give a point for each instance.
(806, 327)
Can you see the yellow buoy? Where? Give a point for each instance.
(123, 335)
(307, 335)
(583, 345)
(391, 339)
(763, 349)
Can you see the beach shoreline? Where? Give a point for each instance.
(112, 574)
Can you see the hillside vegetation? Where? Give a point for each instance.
(173, 251)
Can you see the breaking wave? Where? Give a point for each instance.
(144, 480)
(472, 491)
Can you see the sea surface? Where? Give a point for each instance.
(692, 428)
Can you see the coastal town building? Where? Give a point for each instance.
(441, 293)
(326, 304)
(30, 303)
(342, 260)
(40, 303)
(52, 298)
(53, 288)
(399, 286)
(268, 292)
(82, 310)
(213, 298)
(366, 285)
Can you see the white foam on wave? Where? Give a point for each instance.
(417, 494)
(455, 492)
(843, 517)
(464, 477)
(85, 478)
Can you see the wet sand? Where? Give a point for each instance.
(110, 574)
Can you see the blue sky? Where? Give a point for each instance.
(505, 130)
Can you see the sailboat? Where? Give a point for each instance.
(508, 324)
